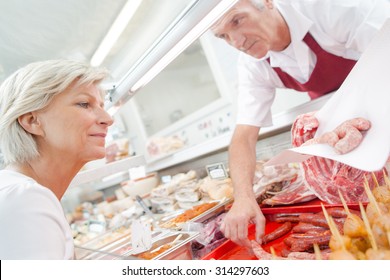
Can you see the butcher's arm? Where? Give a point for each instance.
(245, 209)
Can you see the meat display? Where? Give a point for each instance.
(326, 177)
(280, 184)
(366, 236)
(210, 237)
(344, 138)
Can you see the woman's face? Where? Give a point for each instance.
(74, 125)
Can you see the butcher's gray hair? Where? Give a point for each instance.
(259, 4)
(30, 89)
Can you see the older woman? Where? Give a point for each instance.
(52, 122)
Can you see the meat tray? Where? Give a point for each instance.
(310, 206)
(100, 241)
(180, 250)
(213, 211)
(114, 250)
(231, 251)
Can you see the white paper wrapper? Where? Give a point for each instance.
(365, 93)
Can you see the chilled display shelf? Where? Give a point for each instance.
(281, 121)
(120, 166)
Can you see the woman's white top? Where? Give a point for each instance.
(341, 27)
(32, 221)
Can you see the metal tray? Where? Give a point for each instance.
(213, 211)
(115, 250)
(100, 241)
(181, 250)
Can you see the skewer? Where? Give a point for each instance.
(368, 228)
(274, 256)
(333, 228)
(373, 200)
(371, 197)
(344, 203)
(387, 180)
(317, 251)
(374, 179)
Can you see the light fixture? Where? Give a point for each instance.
(182, 44)
(115, 31)
(187, 27)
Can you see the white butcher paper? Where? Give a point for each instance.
(365, 93)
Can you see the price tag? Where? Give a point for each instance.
(217, 171)
(137, 172)
(141, 237)
(166, 179)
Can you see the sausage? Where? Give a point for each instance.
(284, 219)
(345, 137)
(306, 244)
(320, 220)
(308, 256)
(302, 227)
(315, 219)
(280, 231)
(310, 235)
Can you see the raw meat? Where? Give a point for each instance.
(280, 184)
(327, 177)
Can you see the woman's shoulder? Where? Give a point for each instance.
(17, 189)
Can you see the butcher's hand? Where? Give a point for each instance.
(235, 224)
(346, 137)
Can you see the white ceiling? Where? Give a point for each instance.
(32, 30)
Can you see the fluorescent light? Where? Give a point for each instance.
(115, 31)
(194, 33)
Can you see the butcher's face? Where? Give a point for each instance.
(75, 124)
(247, 28)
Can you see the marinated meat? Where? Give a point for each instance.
(326, 177)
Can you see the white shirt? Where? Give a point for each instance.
(341, 27)
(32, 221)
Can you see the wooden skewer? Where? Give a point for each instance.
(344, 203)
(387, 180)
(333, 228)
(368, 228)
(317, 251)
(370, 196)
(274, 256)
(374, 179)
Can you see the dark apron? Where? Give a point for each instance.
(328, 74)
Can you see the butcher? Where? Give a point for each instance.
(305, 45)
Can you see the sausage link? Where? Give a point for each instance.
(280, 231)
(305, 227)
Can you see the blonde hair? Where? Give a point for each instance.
(32, 88)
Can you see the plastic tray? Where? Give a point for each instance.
(231, 251)
(310, 206)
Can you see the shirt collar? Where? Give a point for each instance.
(299, 25)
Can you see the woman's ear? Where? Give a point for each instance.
(31, 123)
